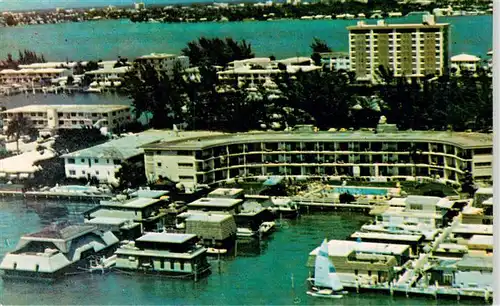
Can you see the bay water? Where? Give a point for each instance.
(259, 274)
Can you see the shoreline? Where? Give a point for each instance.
(235, 11)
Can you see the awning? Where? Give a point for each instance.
(273, 181)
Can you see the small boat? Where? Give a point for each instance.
(267, 227)
(326, 282)
(245, 232)
(216, 251)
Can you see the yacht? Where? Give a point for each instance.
(56, 251)
(429, 233)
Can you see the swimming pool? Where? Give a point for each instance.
(360, 190)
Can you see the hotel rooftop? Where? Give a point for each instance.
(467, 140)
(68, 108)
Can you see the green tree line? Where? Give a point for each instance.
(328, 99)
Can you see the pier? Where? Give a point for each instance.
(34, 195)
(431, 291)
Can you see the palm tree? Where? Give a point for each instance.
(17, 127)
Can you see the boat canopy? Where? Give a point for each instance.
(273, 181)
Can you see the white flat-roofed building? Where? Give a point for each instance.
(215, 230)
(22, 166)
(32, 77)
(231, 193)
(474, 271)
(65, 65)
(164, 61)
(367, 261)
(109, 74)
(466, 231)
(163, 253)
(465, 62)
(409, 50)
(481, 242)
(115, 214)
(53, 117)
(216, 205)
(104, 160)
(261, 71)
(336, 60)
(419, 210)
(306, 154)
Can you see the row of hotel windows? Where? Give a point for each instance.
(398, 147)
(73, 172)
(95, 161)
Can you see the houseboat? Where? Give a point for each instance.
(164, 253)
(143, 211)
(56, 251)
(216, 231)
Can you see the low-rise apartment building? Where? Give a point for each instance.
(336, 60)
(442, 156)
(104, 160)
(32, 77)
(164, 61)
(262, 71)
(48, 118)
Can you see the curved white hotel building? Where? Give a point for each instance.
(364, 154)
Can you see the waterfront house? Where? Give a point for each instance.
(214, 230)
(32, 77)
(414, 241)
(210, 160)
(364, 261)
(261, 71)
(108, 74)
(418, 210)
(49, 118)
(164, 62)
(474, 271)
(57, 250)
(466, 231)
(248, 216)
(104, 160)
(167, 253)
(229, 193)
(146, 212)
(216, 205)
(23, 166)
(410, 50)
(465, 62)
(481, 243)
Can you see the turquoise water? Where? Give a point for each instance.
(360, 190)
(283, 38)
(259, 275)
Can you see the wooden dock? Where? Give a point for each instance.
(430, 291)
(35, 195)
(319, 203)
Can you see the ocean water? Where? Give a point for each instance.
(258, 275)
(109, 39)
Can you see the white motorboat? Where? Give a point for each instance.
(326, 282)
(267, 227)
